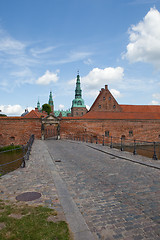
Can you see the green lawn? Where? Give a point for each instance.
(22, 222)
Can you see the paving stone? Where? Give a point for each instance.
(118, 193)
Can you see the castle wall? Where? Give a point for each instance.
(78, 111)
(145, 130)
(17, 130)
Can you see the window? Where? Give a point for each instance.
(12, 138)
(114, 106)
(123, 137)
(82, 113)
(109, 98)
(106, 133)
(76, 113)
(131, 133)
(99, 106)
(159, 135)
(104, 98)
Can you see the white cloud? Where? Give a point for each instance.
(30, 109)
(88, 61)
(93, 93)
(38, 51)
(154, 102)
(14, 110)
(156, 96)
(144, 37)
(10, 46)
(48, 78)
(88, 107)
(98, 78)
(72, 57)
(61, 107)
(115, 93)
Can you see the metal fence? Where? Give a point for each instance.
(21, 160)
(145, 148)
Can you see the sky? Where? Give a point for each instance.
(44, 43)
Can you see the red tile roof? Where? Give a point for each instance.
(35, 114)
(130, 112)
(122, 115)
(141, 108)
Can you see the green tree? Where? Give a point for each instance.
(47, 108)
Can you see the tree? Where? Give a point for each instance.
(47, 108)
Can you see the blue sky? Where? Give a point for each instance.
(44, 43)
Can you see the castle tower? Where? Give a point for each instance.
(38, 105)
(78, 108)
(50, 102)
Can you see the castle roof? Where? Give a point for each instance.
(123, 115)
(35, 114)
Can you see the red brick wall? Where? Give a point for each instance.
(105, 102)
(18, 130)
(145, 130)
(78, 111)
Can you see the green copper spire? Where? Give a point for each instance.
(78, 91)
(38, 105)
(50, 102)
(78, 101)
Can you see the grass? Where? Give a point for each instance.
(23, 222)
(10, 147)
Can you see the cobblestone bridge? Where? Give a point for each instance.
(104, 193)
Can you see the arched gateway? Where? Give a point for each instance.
(50, 127)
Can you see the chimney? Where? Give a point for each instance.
(106, 87)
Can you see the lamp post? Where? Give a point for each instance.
(134, 152)
(154, 155)
(103, 141)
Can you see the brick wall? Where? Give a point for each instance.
(78, 111)
(17, 130)
(145, 130)
(105, 102)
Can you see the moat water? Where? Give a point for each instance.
(8, 161)
(144, 150)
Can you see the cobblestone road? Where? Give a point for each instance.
(119, 199)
